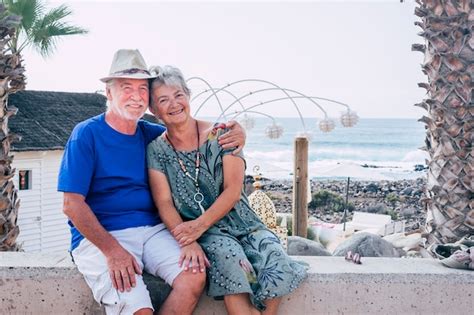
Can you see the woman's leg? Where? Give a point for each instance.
(272, 306)
(239, 304)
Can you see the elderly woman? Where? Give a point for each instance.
(197, 188)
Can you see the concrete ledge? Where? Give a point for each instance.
(39, 284)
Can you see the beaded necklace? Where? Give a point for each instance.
(198, 196)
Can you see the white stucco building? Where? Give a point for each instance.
(45, 121)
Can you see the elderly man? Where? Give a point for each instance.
(115, 227)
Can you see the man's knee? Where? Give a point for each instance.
(190, 282)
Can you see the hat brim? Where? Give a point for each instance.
(138, 76)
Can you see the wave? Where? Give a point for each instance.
(284, 168)
(350, 153)
(416, 156)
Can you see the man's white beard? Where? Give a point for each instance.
(122, 112)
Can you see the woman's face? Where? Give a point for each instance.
(170, 104)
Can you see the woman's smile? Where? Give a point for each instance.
(176, 112)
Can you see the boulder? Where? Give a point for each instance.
(300, 246)
(408, 212)
(367, 245)
(372, 187)
(379, 208)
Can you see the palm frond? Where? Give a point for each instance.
(45, 39)
(50, 27)
(54, 15)
(29, 10)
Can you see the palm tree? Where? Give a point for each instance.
(38, 28)
(23, 23)
(447, 27)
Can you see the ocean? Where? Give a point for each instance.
(390, 144)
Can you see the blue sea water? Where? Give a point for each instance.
(389, 143)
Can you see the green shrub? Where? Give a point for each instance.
(393, 214)
(289, 225)
(392, 198)
(329, 202)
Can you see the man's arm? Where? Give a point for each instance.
(234, 138)
(122, 265)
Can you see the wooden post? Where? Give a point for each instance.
(300, 186)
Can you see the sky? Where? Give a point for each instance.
(355, 52)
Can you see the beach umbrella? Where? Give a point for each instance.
(267, 169)
(352, 170)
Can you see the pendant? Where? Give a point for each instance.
(199, 198)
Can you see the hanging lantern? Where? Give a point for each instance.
(349, 118)
(274, 131)
(247, 122)
(326, 125)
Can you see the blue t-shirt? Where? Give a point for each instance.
(109, 169)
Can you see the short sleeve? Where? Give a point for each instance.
(225, 152)
(154, 158)
(229, 152)
(77, 165)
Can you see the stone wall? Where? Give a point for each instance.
(39, 284)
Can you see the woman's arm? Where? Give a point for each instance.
(161, 192)
(192, 254)
(233, 169)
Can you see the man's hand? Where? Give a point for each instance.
(188, 232)
(122, 268)
(234, 138)
(192, 256)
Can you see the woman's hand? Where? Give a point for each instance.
(192, 256)
(188, 232)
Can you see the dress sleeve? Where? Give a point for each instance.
(229, 151)
(154, 157)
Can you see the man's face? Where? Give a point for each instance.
(128, 98)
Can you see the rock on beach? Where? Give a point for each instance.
(367, 245)
(400, 199)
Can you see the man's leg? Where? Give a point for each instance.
(93, 265)
(161, 256)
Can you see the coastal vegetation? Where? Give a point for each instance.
(329, 201)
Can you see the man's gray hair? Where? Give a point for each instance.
(168, 76)
(108, 85)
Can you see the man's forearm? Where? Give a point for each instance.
(86, 222)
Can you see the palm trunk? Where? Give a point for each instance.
(447, 27)
(11, 80)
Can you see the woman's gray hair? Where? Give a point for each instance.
(168, 76)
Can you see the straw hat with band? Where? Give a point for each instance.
(128, 64)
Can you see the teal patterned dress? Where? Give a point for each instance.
(245, 256)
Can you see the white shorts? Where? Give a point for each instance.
(155, 250)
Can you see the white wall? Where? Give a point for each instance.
(43, 226)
